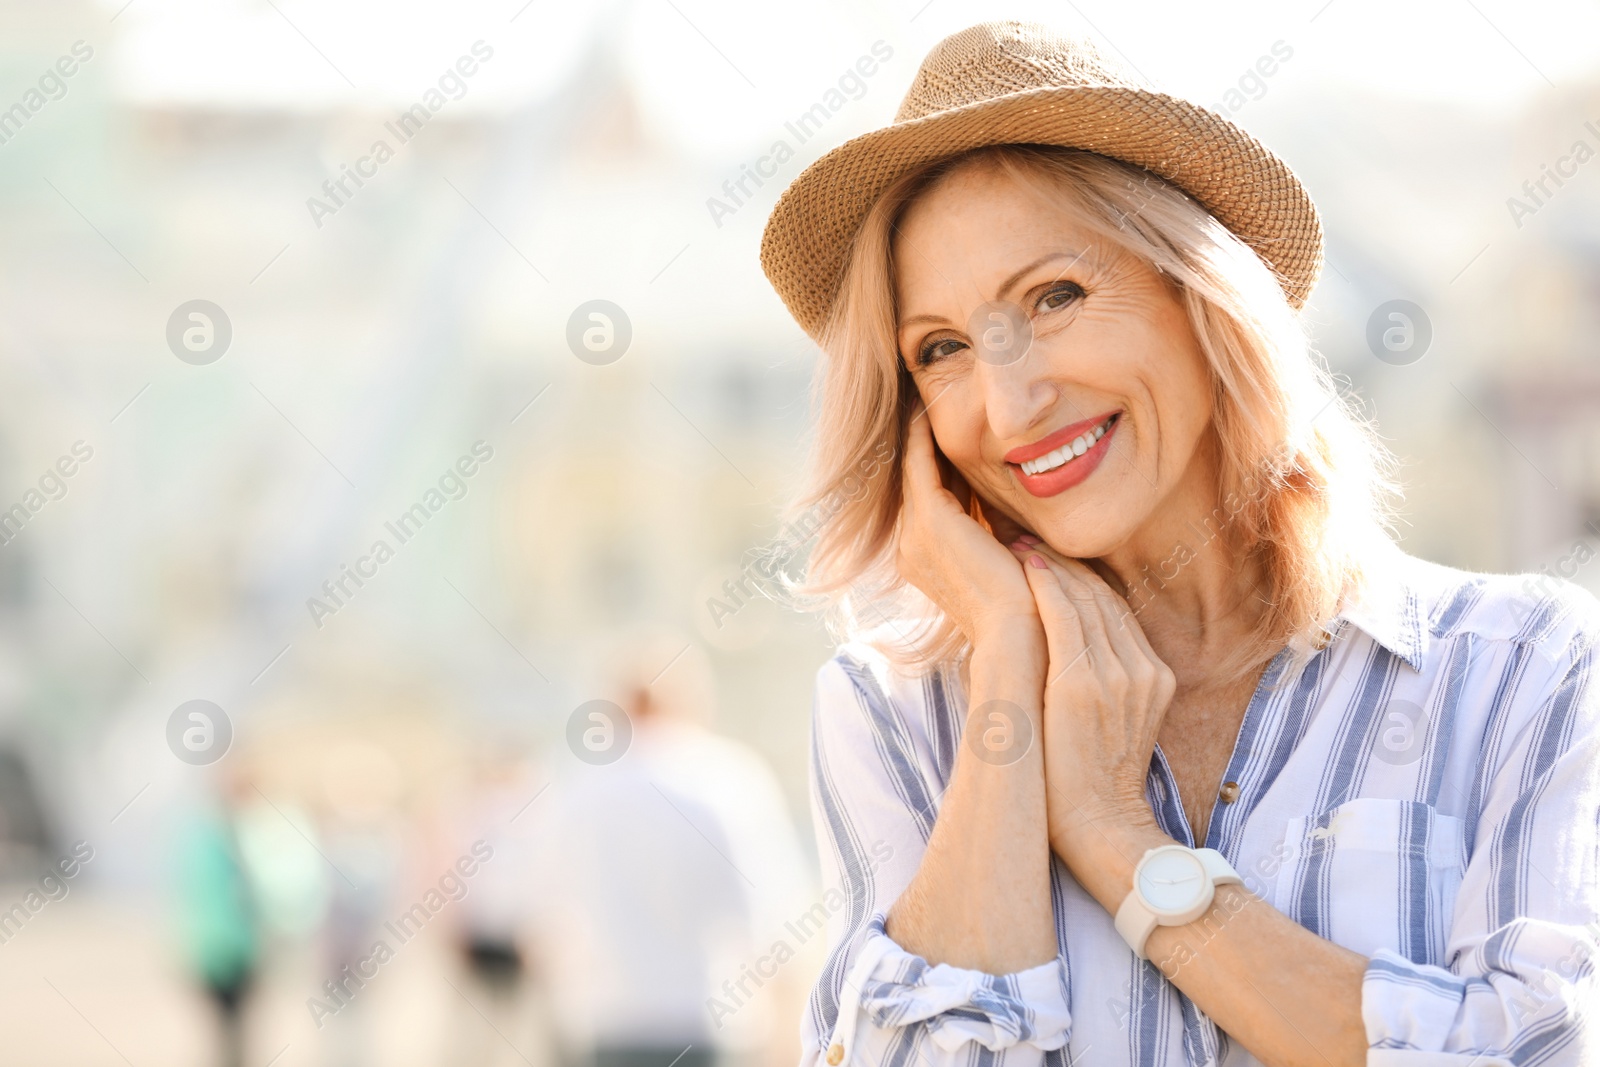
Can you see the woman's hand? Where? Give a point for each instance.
(981, 897)
(1105, 697)
(955, 562)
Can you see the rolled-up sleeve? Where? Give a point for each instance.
(875, 786)
(1524, 944)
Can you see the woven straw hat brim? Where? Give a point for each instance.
(807, 240)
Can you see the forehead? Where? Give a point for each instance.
(977, 223)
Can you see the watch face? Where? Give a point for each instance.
(1172, 881)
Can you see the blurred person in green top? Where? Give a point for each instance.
(218, 918)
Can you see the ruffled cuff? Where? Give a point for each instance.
(1411, 1008)
(894, 988)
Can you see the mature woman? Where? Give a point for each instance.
(1127, 591)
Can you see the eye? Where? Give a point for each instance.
(1060, 295)
(935, 349)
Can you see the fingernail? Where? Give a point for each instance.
(1028, 539)
(1037, 561)
(1020, 545)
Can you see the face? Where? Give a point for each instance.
(1096, 424)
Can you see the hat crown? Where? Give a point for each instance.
(994, 59)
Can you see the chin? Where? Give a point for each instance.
(1086, 529)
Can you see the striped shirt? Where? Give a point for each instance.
(1425, 791)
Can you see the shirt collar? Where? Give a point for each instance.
(1387, 608)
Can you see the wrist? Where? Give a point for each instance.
(1102, 852)
(1007, 633)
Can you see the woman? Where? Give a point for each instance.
(1129, 592)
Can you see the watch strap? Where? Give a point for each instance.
(1218, 869)
(1136, 921)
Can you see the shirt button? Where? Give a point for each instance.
(1229, 792)
(836, 1055)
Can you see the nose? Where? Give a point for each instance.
(1015, 395)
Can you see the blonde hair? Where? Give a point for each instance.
(1305, 483)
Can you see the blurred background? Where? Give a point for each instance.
(373, 690)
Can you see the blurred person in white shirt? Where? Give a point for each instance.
(666, 861)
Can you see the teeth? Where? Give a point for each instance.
(1066, 453)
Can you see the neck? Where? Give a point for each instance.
(1194, 593)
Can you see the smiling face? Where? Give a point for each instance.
(1103, 417)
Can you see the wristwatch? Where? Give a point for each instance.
(1172, 885)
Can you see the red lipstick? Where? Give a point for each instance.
(1074, 471)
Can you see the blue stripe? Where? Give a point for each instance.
(1507, 895)
(1415, 943)
(1501, 707)
(893, 745)
(858, 884)
(942, 726)
(1256, 777)
(1352, 747)
(1161, 786)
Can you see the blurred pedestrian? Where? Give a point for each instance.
(663, 859)
(219, 921)
(500, 1021)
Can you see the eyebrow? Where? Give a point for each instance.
(1005, 286)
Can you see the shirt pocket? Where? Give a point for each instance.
(1374, 873)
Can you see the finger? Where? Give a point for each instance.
(921, 469)
(1063, 633)
(1114, 609)
(1081, 597)
(1119, 626)
(1119, 614)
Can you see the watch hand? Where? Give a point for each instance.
(1174, 881)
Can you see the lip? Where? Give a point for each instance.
(1050, 483)
(1046, 445)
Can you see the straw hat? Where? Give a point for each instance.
(1011, 83)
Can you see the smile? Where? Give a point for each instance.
(1067, 452)
(1064, 458)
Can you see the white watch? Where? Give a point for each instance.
(1172, 885)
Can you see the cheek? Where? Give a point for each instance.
(957, 421)
(1182, 394)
